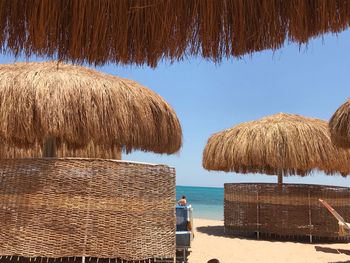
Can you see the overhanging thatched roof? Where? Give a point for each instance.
(146, 31)
(279, 144)
(92, 150)
(83, 109)
(339, 125)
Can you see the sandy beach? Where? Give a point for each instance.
(211, 242)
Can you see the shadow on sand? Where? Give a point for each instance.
(332, 250)
(220, 232)
(212, 230)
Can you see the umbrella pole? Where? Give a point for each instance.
(280, 181)
(50, 148)
(116, 153)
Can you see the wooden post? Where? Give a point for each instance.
(280, 181)
(310, 221)
(50, 148)
(257, 212)
(116, 153)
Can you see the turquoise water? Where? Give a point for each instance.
(207, 202)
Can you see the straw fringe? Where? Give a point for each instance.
(147, 31)
(278, 144)
(88, 112)
(90, 151)
(339, 126)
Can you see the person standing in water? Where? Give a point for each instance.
(182, 201)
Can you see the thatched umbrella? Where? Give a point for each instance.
(281, 144)
(80, 112)
(339, 125)
(146, 31)
(63, 110)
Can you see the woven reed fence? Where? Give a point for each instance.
(293, 211)
(74, 207)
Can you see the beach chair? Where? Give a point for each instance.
(344, 227)
(184, 231)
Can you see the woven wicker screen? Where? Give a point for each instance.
(292, 211)
(86, 207)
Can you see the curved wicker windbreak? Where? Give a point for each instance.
(292, 211)
(339, 125)
(280, 144)
(146, 31)
(86, 207)
(82, 110)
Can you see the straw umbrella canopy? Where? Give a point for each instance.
(80, 112)
(339, 125)
(146, 31)
(280, 144)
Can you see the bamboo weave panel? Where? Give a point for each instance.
(86, 207)
(293, 210)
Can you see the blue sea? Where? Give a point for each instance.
(207, 202)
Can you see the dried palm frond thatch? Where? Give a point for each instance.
(146, 31)
(339, 125)
(87, 113)
(90, 151)
(280, 144)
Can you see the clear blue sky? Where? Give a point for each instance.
(311, 81)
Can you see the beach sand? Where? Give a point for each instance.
(210, 242)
